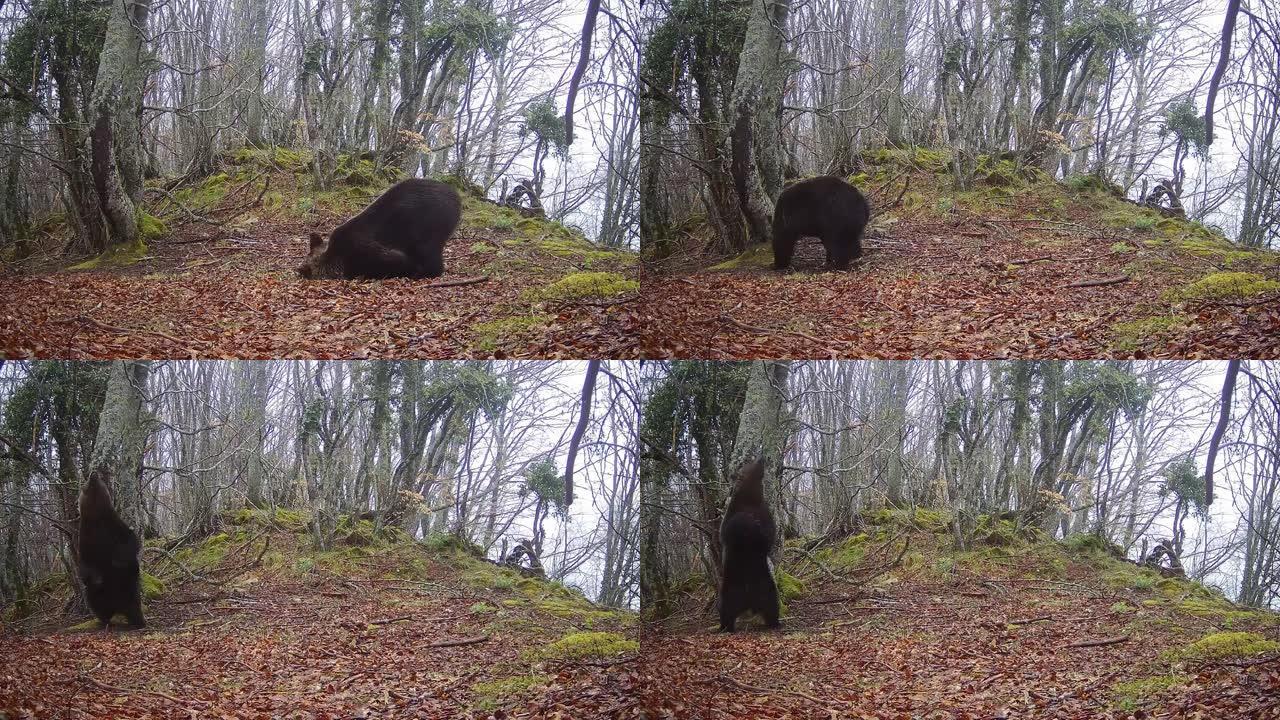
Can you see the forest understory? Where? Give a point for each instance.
(1017, 267)
(377, 627)
(218, 280)
(1046, 630)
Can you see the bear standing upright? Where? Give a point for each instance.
(108, 556)
(827, 208)
(401, 234)
(747, 534)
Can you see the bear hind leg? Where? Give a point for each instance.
(731, 606)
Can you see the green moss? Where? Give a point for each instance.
(927, 519)
(583, 252)
(847, 554)
(480, 213)
(451, 543)
(114, 257)
(1136, 334)
(489, 336)
(296, 161)
(934, 521)
(1224, 646)
(1225, 286)
(294, 521)
(1224, 613)
(150, 227)
(926, 159)
(1129, 217)
(482, 608)
(206, 555)
(789, 587)
(1003, 531)
(485, 575)
(152, 586)
(1128, 695)
(1122, 575)
(583, 646)
(579, 611)
(490, 695)
(361, 172)
(1089, 544)
(1122, 607)
(462, 185)
(584, 285)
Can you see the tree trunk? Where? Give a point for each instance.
(113, 115)
(122, 434)
(755, 109)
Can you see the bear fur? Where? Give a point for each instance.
(747, 534)
(109, 552)
(827, 208)
(401, 234)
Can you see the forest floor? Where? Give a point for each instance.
(1037, 631)
(1019, 266)
(217, 278)
(391, 629)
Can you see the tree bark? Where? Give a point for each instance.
(115, 107)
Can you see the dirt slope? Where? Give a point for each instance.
(217, 279)
(1028, 632)
(386, 629)
(1018, 266)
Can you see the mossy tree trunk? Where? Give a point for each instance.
(123, 427)
(115, 108)
(762, 430)
(755, 109)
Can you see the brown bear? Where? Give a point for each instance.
(827, 208)
(109, 552)
(401, 234)
(747, 534)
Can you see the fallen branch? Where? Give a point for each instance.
(178, 564)
(136, 331)
(388, 621)
(1096, 283)
(1028, 261)
(455, 283)
(456, 643)
(767, 331)
(130, 691)
(1028, 621)
(191, 215)
(1099, 643)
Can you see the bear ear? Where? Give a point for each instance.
(316, 241)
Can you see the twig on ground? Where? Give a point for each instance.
(767, 331)
(457, 643)
(1028, 621)
(1100, 643)
(455, 283)
(129, 691)
(388, 621)
(137, 331)
(1096, 283)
